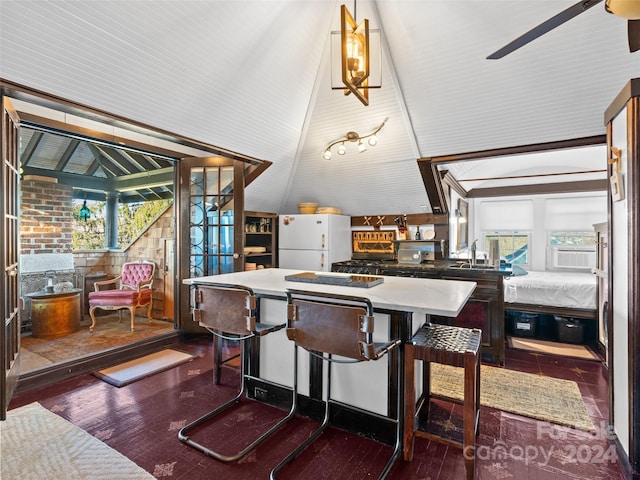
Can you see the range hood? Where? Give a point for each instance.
(433, 184)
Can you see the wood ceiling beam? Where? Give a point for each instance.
(533, 148)
(68, 153)
(541, 188)
(25, 158)
(116, 160)
(156, 178)
(128, 183)
(73, 179)
(537, 175)
(454, 184)
(103, 162)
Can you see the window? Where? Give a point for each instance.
(572, 238)
(133, 220)
(514, 246)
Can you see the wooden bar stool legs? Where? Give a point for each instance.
(458, 347)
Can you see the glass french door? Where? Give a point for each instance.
(210, 221)
(9, 233)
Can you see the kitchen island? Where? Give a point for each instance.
(485, 309)
(401, 306)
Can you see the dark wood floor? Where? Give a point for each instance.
(141, 421)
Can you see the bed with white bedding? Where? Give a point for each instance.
(555, 293)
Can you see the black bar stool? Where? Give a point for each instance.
(229, 312)
(448, 345)
(326, 325)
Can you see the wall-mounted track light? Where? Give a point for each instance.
(371, 140)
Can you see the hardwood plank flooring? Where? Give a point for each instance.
(141, 420)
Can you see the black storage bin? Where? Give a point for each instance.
(524, 324)
(570, 330)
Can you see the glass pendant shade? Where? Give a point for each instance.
(84, 213)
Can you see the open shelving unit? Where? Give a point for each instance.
(260, 234)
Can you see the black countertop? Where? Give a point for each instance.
(438, 267)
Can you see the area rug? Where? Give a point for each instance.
(38, 444)
(553, 348)
(133, 370)
(544, 398)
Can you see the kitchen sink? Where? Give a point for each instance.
(466, 266)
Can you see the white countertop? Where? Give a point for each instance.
(417, 295)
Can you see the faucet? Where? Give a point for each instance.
(50, 274)
(474, 246)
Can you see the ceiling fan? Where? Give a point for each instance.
(629, 9)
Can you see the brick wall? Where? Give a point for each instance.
(46, 223)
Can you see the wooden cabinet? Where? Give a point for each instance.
(260, 246)
(484, 310)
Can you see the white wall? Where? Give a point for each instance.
(620, 307)
(538, 215)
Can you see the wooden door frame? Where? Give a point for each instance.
(10, 234)
(182, 226)
(629, 98)
(253, 167)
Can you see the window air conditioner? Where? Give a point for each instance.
(572, 258)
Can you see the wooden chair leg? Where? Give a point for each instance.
(149, 312)
(426, 390)
(133, 317)
(469, 414)
(93, 318)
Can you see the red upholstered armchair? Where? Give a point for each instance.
(133, 290)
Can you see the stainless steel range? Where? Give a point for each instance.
(361, 267)
(375, 251)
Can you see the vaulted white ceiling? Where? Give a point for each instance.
(255, 77)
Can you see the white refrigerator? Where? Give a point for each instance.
(313, 242)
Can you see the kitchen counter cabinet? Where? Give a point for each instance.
(485, 309)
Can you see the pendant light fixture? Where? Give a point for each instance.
(84, 213)
(359, 53)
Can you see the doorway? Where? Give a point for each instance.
(65, 248)
(50, 114)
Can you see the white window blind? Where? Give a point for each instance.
(575, 213)
(506, 215)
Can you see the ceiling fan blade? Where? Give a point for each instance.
(544, 27)
(634, 35)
